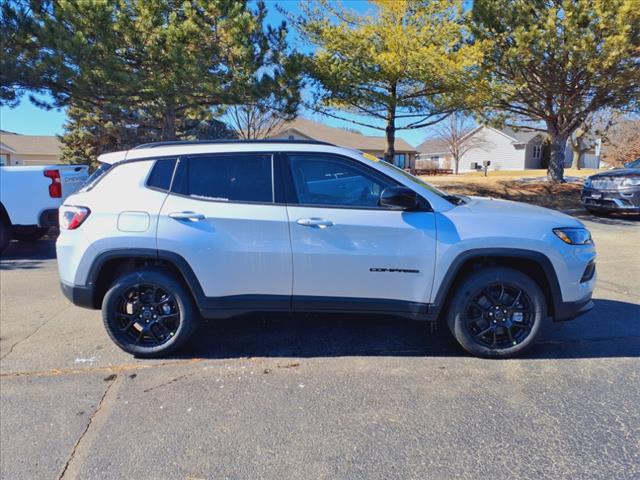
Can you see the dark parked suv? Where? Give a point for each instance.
(616, 190)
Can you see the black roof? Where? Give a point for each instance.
(216, 142)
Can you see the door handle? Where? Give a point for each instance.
(193, 216)
(315, 222)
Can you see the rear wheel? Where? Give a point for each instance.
(29, 234)
(148, 313)
(496, 312)
(5, 236)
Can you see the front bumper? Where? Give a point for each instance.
(570, 310)
(80, 296)
(620, 200)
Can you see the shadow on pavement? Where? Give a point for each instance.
(28, 255)
(612, 329)
(624, 219)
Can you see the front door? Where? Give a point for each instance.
(348, 252)
(222, 219)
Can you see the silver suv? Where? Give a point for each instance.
(166, 234)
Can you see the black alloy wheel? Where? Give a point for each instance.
(149, 313)
(499, 315)
(496, 312)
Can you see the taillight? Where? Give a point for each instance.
(55, 189)
(72, 217)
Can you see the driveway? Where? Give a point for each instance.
(319, 397)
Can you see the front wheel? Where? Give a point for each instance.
(496, 312)
(149, 313)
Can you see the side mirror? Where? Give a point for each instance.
(399, 197)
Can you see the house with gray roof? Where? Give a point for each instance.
(16, 149)
(506, 149)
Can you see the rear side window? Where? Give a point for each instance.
(161, 174)
(238, 177)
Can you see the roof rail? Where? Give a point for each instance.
(217, 142)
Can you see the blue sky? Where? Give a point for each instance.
(28, 119)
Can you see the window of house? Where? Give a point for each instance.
(435, 158)
(242, 177)
(537, 151)
(335, 181)
(4, 159)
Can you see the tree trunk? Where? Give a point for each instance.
(169, 123)
(555, 172)
(456, 163)
(390, 129)
(390, 132)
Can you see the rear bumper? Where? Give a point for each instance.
(80, 296)
(570, 310)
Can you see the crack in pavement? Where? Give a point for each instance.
(11, 348)
(79, 451)
(107, 369)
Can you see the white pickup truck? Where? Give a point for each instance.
(30, 197)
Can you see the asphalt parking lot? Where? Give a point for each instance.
(319, 397)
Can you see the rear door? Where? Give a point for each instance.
(221, 217)
(348, 252)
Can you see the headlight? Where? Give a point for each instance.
(587, 183)
(574, 236)
(631, 182)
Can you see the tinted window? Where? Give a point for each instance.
(237, 177)
(330, 180)
(161, 174)
(97, 174)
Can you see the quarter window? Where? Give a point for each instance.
(161, 174)
(228, 178)
(335, 181)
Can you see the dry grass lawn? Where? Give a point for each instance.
(511, 185)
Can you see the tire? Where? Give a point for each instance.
(130, 303)
(29, 234)
(5, 236)
(489, 319)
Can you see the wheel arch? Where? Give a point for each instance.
(534, 264)
(112, 264)
(4, 215)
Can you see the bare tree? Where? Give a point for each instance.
(457, 134)
(623, 144)
(254, 121)
(595, 126)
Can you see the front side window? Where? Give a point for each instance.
(239, 177)
(335, 181)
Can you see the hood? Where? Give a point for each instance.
(506, 210)
(618, 172)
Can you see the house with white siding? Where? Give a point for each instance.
(505, 148)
